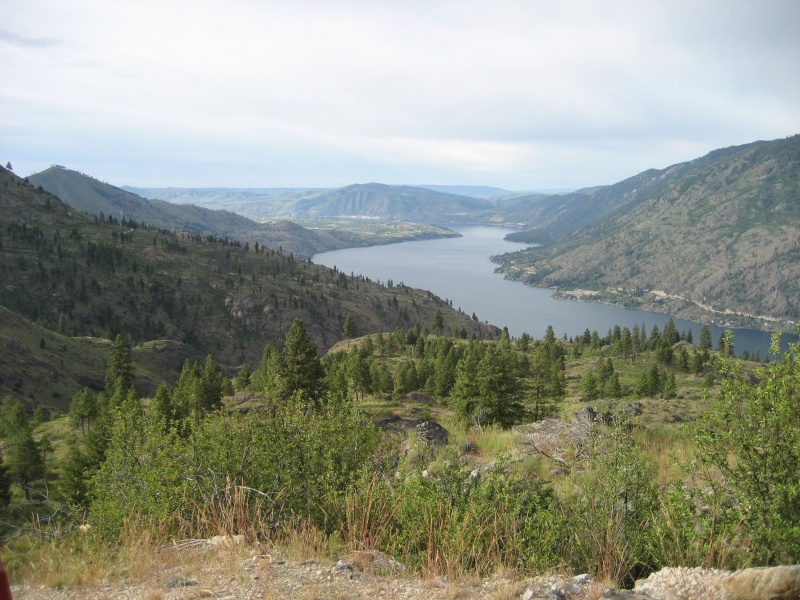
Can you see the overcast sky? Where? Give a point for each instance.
(522, 95)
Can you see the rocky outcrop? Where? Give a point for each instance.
(678, 583)
(432, 433)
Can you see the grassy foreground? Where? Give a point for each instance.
(698, 468)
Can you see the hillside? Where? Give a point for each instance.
(562, 214)
(94, 197)
(373, 200)
(44, 368)
(714, 238)
(242, 201)
(76, 275)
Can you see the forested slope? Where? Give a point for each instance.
(721, 238)
(76, 275)
(94, 197)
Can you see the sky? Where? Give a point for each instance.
(522, 95)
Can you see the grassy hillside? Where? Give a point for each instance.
(94, 197)
(73, 274)
(714, 238)
(44, 368)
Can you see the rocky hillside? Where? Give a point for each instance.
(717, 238)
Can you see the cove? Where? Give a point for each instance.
(459, 270)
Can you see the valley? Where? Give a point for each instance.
(167, 383)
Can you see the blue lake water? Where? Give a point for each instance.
(459, 269)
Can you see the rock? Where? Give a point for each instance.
(227, 541)
(633, 409)
(586, 414)
(432, 433)
(179, 582)
(481, 470)
(397, 423)
(527, 594)
(420, 397)
(681, 582)
(765, 583)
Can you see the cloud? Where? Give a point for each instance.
(511, 93)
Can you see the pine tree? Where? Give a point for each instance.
(120, 369)
(438, 322)
(242, 380)
(706, 340)
(12, 417)
(83, 409)
(24, 459)
(302, 370)
(349, 327)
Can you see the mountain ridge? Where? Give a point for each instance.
(82, 276)
(714, 238)
(94, 197)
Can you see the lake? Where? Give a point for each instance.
(459, 269)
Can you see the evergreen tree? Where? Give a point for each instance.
(612, 388)
(706, 341)
(242, 380)
(24, 459)
(697, 363)
(349, 327)
(626, 342)
(438, 322)
(671, 335)
(83, 409)
(669, 388)
(589, 387)
(524, 342)
(264, 377)
(73, 485)
(405, 377)
(120, 369)
(209, 388)
(358, 371)
(487, 389)
(381, 377)
(302, 370)
(12, 417)
(465, 386)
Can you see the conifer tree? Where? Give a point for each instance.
(438, 322)
(24, 459)
(120, 369)
(349, 328)
(302, 370)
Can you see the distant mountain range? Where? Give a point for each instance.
(95, 197)
(373, 200)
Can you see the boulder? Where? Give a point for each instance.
(763, 583)
(432, 433)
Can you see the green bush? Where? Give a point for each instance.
(749, 445)
(299, 458)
